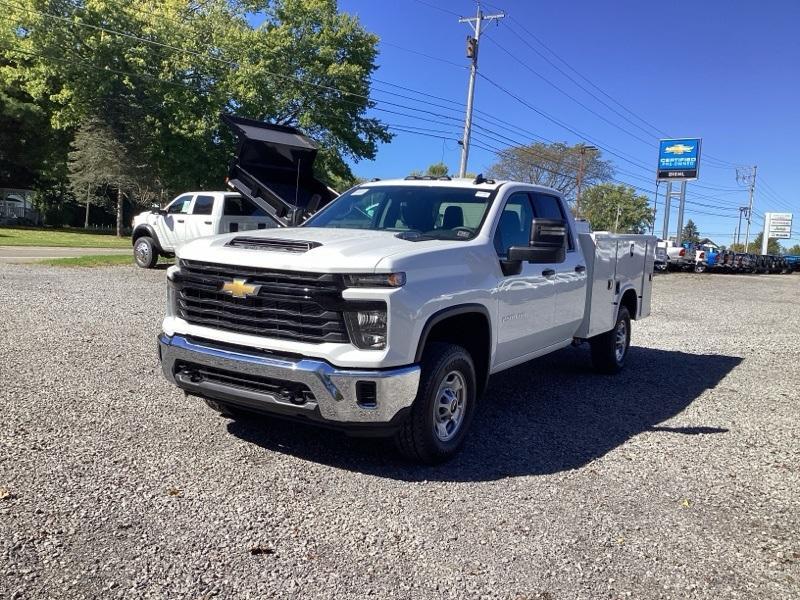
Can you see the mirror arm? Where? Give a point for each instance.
(510, 267)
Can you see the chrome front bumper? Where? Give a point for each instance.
(335, 398)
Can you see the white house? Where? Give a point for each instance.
(15, 205)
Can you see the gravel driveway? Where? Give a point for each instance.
(679, 478)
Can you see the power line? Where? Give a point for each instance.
(599, 89)
(577, 83)
(574, 131)
(568, 95)
(436, 7)
(428, 56)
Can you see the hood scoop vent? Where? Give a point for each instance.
(256, 243)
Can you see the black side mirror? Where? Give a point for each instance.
(548, 243)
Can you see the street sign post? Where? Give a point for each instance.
(777, 226)
(678, 159)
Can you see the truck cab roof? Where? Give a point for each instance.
(489, 184)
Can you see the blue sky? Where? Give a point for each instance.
(724, 70)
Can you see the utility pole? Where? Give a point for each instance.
(584, 148)
(750, 178)
(616, 221)
(472, 53)
(742, 210)
(750, 209)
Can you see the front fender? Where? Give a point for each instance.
(146, 230)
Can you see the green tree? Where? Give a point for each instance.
(99, 159)
(754, 246)
(439, 169)
(773, 245)
(554, 165)
(31, 153)
(794, 250)
(690, 232)
(610, 207)
(158, 74)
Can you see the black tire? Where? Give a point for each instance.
(145, 252)
(699, 268)
(418, 439)
(605, 357)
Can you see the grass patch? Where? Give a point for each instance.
(62, 238)
(96, 260)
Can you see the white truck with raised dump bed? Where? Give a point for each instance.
(385, 312)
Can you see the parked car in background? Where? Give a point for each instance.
(679, 257)
(792, 262)
(161, 231)
(725, 261)
(273, 175)
(662, 259)
(700, 261)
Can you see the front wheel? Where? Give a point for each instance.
(145, 253)
(699, 268)
(444, 406)
(610, 349)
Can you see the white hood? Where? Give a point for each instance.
(340, 250)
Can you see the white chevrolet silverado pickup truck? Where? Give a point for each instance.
(387, 310)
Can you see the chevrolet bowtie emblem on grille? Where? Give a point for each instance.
(239, 288)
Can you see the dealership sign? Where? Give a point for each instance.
(778, 225)
(678, 159)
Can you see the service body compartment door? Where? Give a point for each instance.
(635, 259)
(647, 279)
(600, 310)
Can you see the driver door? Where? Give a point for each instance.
(171, 228)
(525, 301)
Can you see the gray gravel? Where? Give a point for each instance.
(677, 479)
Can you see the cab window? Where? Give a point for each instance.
(180, 206)
(514, 227)
(203, 205)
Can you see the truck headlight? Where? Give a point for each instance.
(375, 280)
(172, 293)
(367, 328)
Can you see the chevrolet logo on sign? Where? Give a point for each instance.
(678, 149)
(239, 288)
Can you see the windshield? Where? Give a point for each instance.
(426, 212)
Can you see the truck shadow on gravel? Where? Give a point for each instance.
(549, 415)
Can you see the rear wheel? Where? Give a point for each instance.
(610, 349)
(145, 253)
(444, 407)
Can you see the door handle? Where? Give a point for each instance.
(580, 269)
(180, 220)
(208, 222)
(548, 272)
